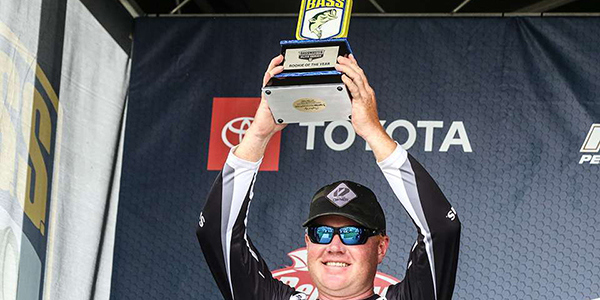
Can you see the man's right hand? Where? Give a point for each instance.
(254, 143)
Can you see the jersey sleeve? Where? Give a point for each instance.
(433, 260)
(236, 265)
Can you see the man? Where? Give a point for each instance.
(345, 236)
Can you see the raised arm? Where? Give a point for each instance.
(252, 148)
(235, 263)
(433, 260)
(365, 119)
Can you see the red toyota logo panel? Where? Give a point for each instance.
(231, 117)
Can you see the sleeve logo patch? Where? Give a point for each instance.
(451, 215)
(201, 221)
(341, 195)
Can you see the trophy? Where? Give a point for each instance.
(309, 89)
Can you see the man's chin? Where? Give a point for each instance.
(334, 283)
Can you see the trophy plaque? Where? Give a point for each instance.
(310, 89)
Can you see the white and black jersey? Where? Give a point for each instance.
(242, 274)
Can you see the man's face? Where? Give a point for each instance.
(342, 270)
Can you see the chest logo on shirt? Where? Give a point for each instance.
(299, 297)
(341, 195)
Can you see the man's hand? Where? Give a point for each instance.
(254, 143)
(364, 108)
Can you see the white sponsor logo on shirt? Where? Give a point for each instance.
(451, 214)
(299, 297)
(201, 221)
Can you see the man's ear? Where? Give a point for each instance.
(382, 247)
(306, 240)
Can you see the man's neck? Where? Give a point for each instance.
(364, 296)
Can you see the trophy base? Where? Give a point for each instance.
(309, 89)
(308, 102)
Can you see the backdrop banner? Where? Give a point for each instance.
(63, 82)
(503, 112)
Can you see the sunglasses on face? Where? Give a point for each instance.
(349, 235)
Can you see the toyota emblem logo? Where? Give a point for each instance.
(237, 126)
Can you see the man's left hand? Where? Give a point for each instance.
(365, 119)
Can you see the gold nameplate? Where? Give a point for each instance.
(323, 19)
(309, 105)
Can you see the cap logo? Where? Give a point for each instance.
(341, 195)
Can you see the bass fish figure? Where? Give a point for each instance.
(316, 22)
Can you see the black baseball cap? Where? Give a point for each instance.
(348, 199)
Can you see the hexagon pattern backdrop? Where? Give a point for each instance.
(527, 91)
